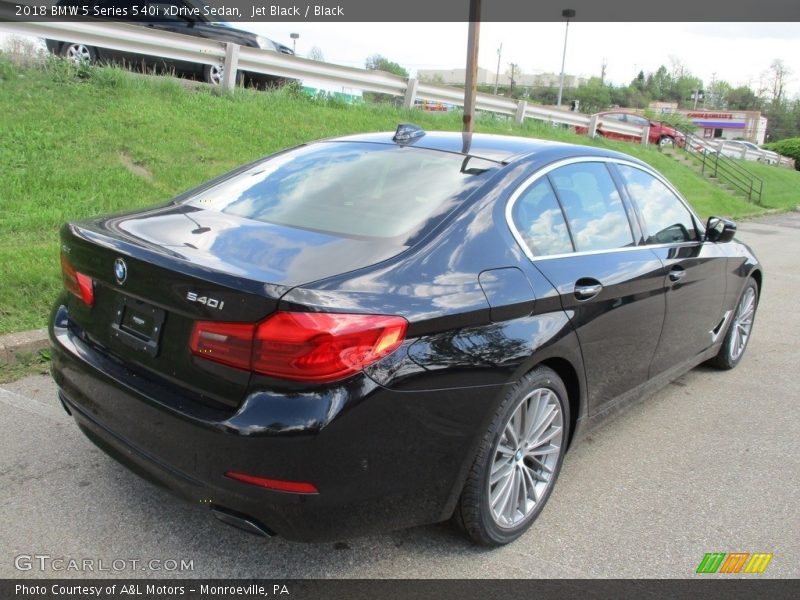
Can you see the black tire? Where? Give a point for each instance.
(727, 357)
(666, 142)
(78, 53)
(474, 514)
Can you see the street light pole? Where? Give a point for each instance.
(497, 75)
(568, 14)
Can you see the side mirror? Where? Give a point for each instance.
(720, 230)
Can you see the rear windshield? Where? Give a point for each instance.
(351, 189)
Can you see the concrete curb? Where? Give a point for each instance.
(13, 345)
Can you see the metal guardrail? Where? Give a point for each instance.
(733, 150)
(174, 46)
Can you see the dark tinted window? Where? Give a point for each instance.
(350, 188)
(666, 219)
(593, 206)
(539, 220)
(640, 121)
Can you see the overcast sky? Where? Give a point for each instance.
(739, 53)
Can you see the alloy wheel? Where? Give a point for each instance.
(742, 323)
(214, 74)
(79, 53)
(525, 458)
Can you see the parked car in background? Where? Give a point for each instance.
(745, 150)
(660, 133)
(197, 26)
(388, 330)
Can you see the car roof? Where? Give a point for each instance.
(498, 148)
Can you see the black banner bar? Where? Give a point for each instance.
(406, 589)
(339, 11)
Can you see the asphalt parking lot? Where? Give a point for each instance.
(709, 464)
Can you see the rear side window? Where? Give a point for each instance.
(595, 214)
(351, 188)
(666, 219)
(539, 220)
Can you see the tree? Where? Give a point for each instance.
(743, 98)
(316, 54)
(376, 62)
(659, 84)
(778, 73)
(593, 96)
(684, 88)
(639, 82)
(717, 94)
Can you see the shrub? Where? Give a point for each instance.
(789, 147)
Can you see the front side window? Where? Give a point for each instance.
(539, 220)
(595, 214)
(666, 219)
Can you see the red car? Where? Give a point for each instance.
(660, 133)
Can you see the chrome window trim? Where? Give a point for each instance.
(582, 159)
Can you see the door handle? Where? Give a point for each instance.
(676, 274)
(587, 291)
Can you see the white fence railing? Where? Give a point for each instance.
(173, 46)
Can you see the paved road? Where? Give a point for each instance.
(711, 463)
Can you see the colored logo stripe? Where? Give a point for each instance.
(732, 563)
(758, 562)
(711, 562)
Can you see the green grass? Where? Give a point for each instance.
(76, 142)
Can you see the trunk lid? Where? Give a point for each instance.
(158, 272)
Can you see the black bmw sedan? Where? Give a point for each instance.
(389, 330)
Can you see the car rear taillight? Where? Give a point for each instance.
(227, 343)
(79, 285)
(301, 346)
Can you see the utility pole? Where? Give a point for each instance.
(497, 75)
(603, 66)
(513, 72)
(472, 71)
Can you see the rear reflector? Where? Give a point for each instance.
(79, 285)
(301, 346)
(296, 487)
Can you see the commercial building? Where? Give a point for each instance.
(746, 125)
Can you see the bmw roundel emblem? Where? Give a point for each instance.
(120, 270)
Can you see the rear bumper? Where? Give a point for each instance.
(380, 459)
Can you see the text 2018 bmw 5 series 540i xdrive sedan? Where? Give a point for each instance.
(382, 331)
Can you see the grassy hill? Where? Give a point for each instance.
(83, 141)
